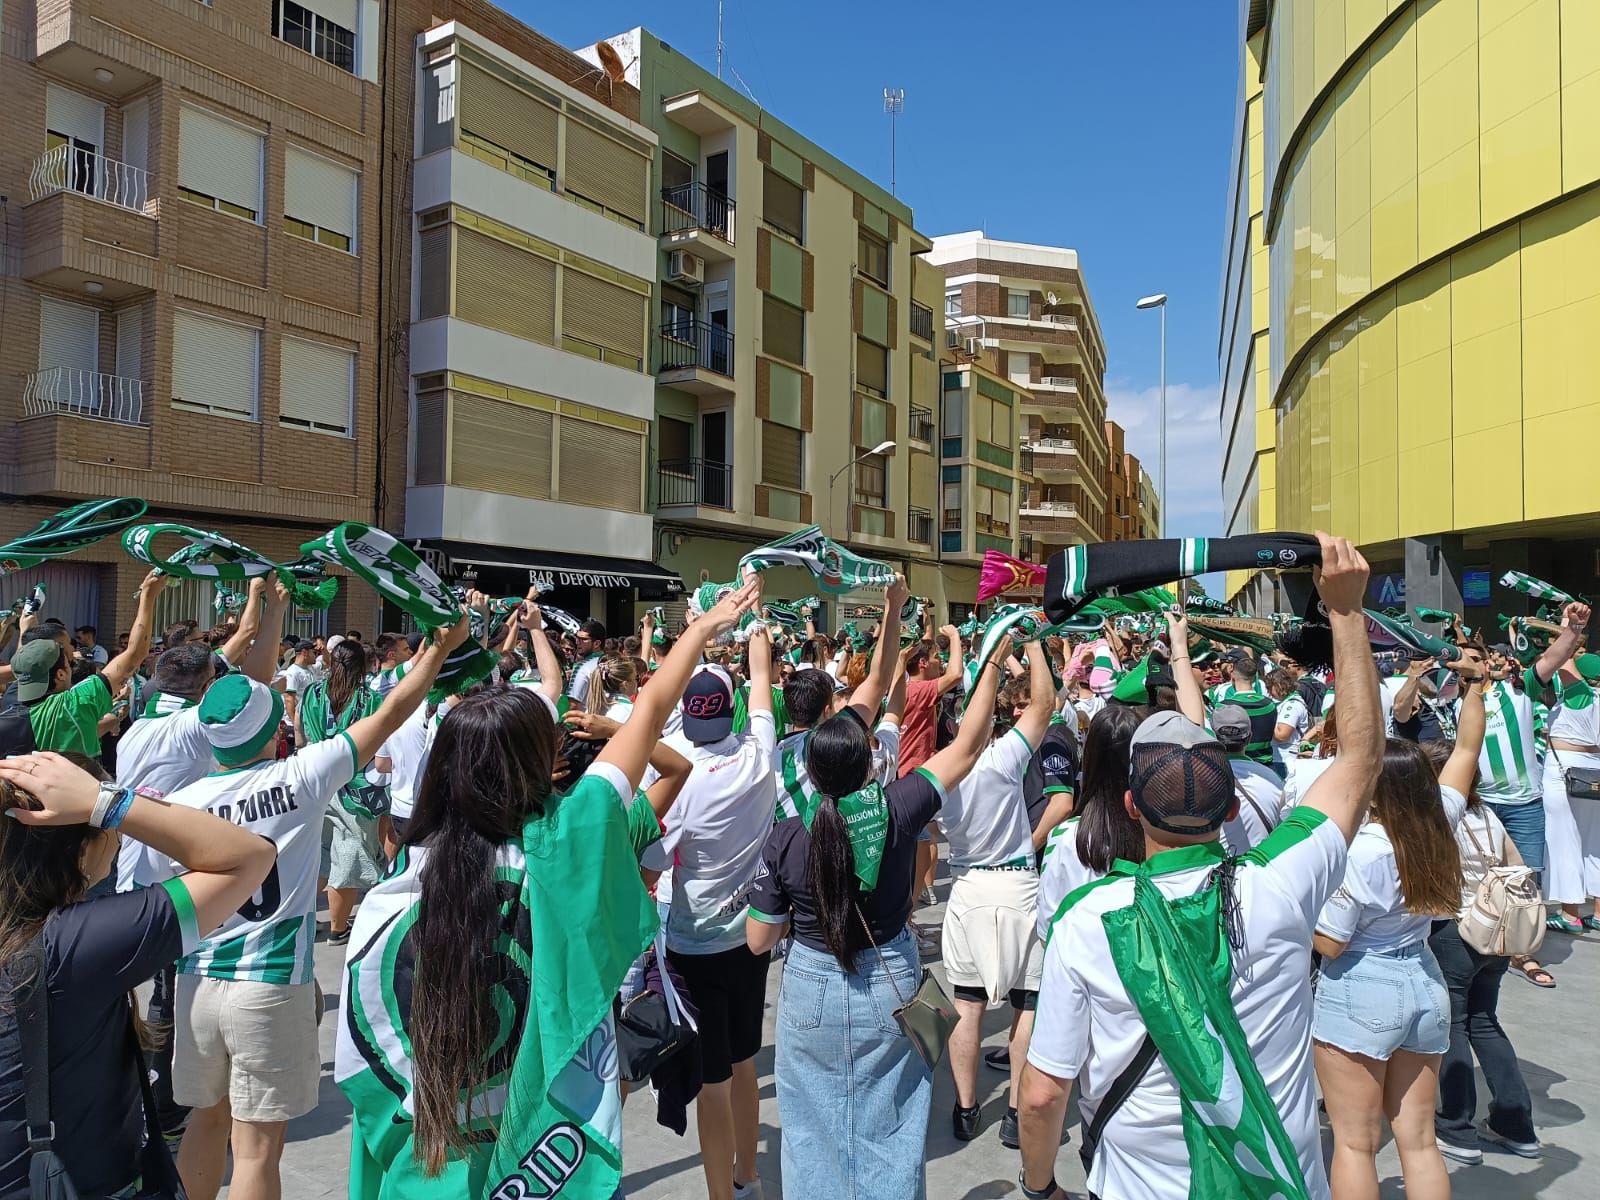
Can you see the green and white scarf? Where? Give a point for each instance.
(866, 820)
(836, 569)
(548, 1117)
(69, 530)
(1530, 586)
(1018, 622)
(220, 560)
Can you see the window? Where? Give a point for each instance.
(433, 272)
(783, 330)
(952, 303)
(872, 367)
(676, 173)
(77, 122)
(502, 287)
(782, 456)
(219, 164)
(872, 257)
(872, 478)
(215, 365)
(601, 466)
(955, 401)
(992, 421)
(602, 320)
(513, 127)
(319, 199)
(325, 28)
(603, 172)
(674, 441)
(993, 509)
(784, 206)
(952, 506)
(317, 388)
(1017, 304)
(921, 321)
(874, 422)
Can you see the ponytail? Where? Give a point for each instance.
(833, 884)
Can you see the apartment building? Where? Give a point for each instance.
(190, 279)
(1149, 506)
(1029, 307)
(1124, 487)
(794, 337)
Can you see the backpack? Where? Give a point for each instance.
(1506, 915)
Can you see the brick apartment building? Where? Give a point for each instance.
(1123, 484)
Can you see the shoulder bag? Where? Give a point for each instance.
(654, 1026)
(1121, 1088)
(1506, 915)
(1583, 783)
(928, 1018)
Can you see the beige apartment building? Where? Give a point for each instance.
(190, 279)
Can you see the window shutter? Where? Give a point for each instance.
(872, 366)
(602, 313)
(783, 204)
(319, 191)
(220, 159)
(505, 288)
(507, 116)
(430, 438)
(781, 464)
(604, 170)
(433, 273)
(215, 364)
(497, 446)
(74, 114)
(69, 335)
(136, 134)
(601, 466)
(130, 342)
(783, 330)
(340, 12)
(317, 386)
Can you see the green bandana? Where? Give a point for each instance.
(836, 569)
(70, 529)
(866, 819)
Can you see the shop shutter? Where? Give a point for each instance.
(430, 437)
(601, 466)
(602, 169)
(319, 191)
(602, 313)
(433, 273)
(511, 118)
(69, 335)
(215, 364)
(496, 446)
(317, 386)
(219, 159)
(781, 456)
(505, 288)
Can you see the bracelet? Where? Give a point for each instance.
(111, 806)
(1028, 1193)
(119, 810)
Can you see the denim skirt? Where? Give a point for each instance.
(853, 1095)
(1374, 1002)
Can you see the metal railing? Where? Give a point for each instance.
(952, 519)
(694, 481)
(81, 393)
(922, 321)
(696, 206)
(1049, 508)
(919, 526)
(993, 525)
(1060, 381)
(921, 424)
(1050, 445)
(700, 344)
(68, 168)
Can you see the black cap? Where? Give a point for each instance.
(1179, 775)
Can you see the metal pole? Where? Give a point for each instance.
(719, 39)
(1162, 529)
(894, 126)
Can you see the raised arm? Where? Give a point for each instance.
(952, 669)
(121, 668)
(895, 710)
(513, 626)
(370, 733)
(1035, 718)
(1409, 697)
(1344, 790)
(1461, 768)
(551, 683)
(868, 698)
(1574, 620)
(260, 662)
(955, 762)
(237, 648)
(1191, 700)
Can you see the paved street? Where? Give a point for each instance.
(1560, 1059)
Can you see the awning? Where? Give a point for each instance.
(557, 570)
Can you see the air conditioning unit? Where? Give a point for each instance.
(684, 267)
(974, 346)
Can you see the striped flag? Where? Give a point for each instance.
(1538, 589)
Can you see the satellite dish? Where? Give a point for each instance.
(1050, 299)
(611, 62)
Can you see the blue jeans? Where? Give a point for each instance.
(1525, 824)
(853, 1095)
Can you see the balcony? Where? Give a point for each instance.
(919, 526)
(921, 321)
(65, 168)
(1055, 383)
(74, 392)
(1055, 522)
(89, 220)
(83, 42)
(698, 218)
(696, 356)
(694, 483)
(922, 425)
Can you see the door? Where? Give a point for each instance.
(717, 193)
(77, 122)
(716, 483)
(719, 346)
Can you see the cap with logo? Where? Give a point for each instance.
(1179, 775)
(33, 666)
(708, 705)
(239, 717)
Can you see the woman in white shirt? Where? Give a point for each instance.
(1572, 827)
(1293, 719)
(1381, 1016)
(613, 684)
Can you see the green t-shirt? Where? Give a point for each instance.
(741, 711)
(644, 830)
(67, 721)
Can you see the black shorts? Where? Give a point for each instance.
(729, 990)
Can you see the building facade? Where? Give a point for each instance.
(1124, 488)
(1428, 177)
(1029, 308)
(191, 280)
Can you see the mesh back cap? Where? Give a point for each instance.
(1179, 775)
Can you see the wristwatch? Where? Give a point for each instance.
(1050, 1189)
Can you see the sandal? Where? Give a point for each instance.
(1559, 923)
(1534, 973)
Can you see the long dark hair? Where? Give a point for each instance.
(487, 775)
(1105, 831)
(1407, 803)
(838, 757)
(346, 674)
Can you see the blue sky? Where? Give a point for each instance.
(1104, 127)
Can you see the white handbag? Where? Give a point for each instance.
(1506, 916)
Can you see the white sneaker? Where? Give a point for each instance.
(1520, 1149)
(1470, 1155)
(748, 1191)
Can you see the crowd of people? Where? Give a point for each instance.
(1209, 883)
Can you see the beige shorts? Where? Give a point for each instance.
(991, 938)
(251, 1044)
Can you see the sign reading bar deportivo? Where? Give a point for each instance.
(549, 570)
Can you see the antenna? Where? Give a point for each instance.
(894, 103)
(719, 39)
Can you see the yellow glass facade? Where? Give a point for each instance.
(1430, 208)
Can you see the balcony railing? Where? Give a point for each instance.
(69, 169)
(1025, 547)
(696, 206)
(1049, 508)
(922, 321)
(1050, 445)
(919, 526)
(81, 393)
(694, 482)
(1066, 382)
(998, 526)
(952, 519)
(921, 424)
(689, 344)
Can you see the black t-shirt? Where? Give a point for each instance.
(95, 953)
(1053, 769)
(1423, 725)
(783, 878)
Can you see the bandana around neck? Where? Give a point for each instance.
(866, 820)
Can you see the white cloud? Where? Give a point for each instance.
(1194, 450)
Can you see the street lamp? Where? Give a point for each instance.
(1159, 300)
(885, 447)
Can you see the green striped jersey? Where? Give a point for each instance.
(1224, 693)
(1508, 768)
(1263, 713)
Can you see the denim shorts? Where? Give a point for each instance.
(1374, 1002)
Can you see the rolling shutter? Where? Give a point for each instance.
(74, 114)
(317, 386)
(429, 439)
(602, 313)
(781, 461)
(214, 364)
(136, 134)
(69, 335)
(496, 446)
(219, 159)
(601, 466)
(319, 191)
(604, 170)
(505, 288)
(433, 273)
(783, 204)
(130, 342)
(507, 116)
(340, 12)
